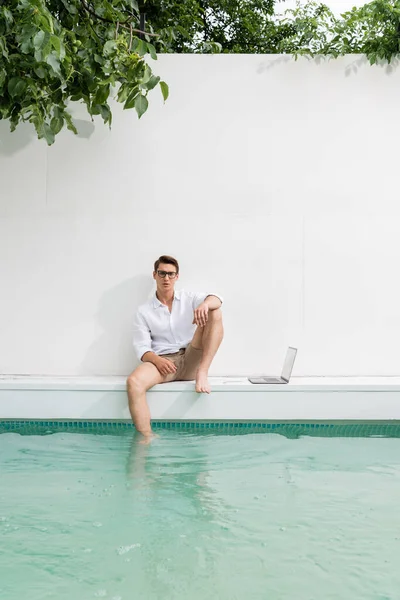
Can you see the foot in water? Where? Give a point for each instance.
(148, 438)
(202, 385)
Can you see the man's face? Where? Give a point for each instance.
(165, 277)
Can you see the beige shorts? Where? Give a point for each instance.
(187, 362)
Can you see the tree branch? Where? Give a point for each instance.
(121, 23)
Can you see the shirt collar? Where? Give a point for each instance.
(157, 303)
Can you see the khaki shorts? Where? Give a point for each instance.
(187, 362)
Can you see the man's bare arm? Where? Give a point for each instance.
(200, 315)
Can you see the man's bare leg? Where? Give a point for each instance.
(208, 338)
(138, 382)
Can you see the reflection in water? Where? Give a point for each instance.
(174, 504)
(150, 467)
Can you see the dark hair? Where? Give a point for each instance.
(167, 260)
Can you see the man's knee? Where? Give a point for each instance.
(135, 383)
(215, 315)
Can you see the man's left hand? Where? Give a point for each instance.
(201, 315)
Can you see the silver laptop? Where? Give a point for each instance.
(286, 371)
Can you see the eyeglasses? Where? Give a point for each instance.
(163, 274)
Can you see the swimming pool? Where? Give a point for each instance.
(90, 512)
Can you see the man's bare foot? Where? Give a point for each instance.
(147, 438)
(202, 385)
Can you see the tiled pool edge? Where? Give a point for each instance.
(288, 429)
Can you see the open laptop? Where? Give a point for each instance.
(286, 371)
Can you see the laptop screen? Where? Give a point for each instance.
(288, 364)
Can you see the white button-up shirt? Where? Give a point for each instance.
(162, 332)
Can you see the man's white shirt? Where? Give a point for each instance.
(162, 332)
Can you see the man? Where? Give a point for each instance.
(176, 336)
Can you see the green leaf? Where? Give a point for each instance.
(58, 46)
(71, 8)
(26, 42)
(135, 44)
(152, 51)
(136, 71)
(8, 15)
(95, 109)
(56, 124)
(130, 102)
(40, 39)
(16, 87)
(164, 90)
(3, 47)
(217, 47)
(46, 22)
(54, 63)
(151, 83)
(48, 134)
(43, 52)
(146, 74)
(110, 47)
(141, 105)
(40, 72)
(70, 124)
(102, 94)
(105, 113)
(141, 47)
(123, 93)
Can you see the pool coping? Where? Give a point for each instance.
(219, 384)
(231, 400)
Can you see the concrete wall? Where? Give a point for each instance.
(274, 182)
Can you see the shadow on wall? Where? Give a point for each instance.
(25, 134)
(352, 68)
(112, 353)
(12, 143)
(362, 61)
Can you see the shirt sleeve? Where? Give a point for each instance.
(141, 336)
(199, 298)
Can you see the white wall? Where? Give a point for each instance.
(274, 182)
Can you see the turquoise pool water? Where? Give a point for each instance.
(199, 515)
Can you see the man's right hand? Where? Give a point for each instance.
(164, 365)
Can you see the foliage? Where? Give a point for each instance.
(372, 29)
(252, 27)
(229, 26)
(54, 52)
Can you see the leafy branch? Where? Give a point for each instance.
(119, 24)
(372, 29)
(53, 53)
